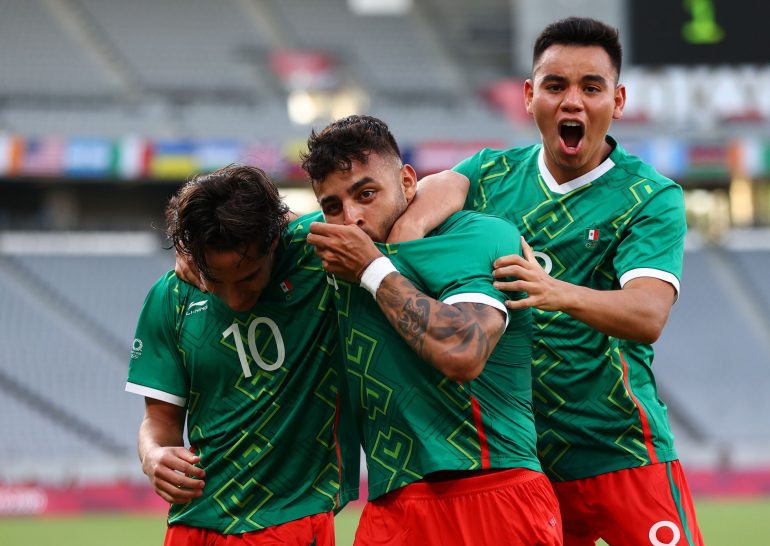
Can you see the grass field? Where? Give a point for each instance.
(724, 523)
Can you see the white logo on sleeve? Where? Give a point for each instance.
(676, 534)
(197, 307)
(136, 348)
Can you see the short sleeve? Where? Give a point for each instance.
(653, 241)
(156, 368)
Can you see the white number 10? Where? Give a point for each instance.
(235, 330)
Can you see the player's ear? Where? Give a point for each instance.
(529, 88)
(620, 101)
(408, 181)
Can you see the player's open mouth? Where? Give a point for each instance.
(571, 133)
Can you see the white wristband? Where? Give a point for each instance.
(375, 273)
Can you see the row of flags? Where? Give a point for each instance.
(134, 158)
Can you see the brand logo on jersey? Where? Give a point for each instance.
(287, 288)
(197, 307)
(136, 348)
(592, 237)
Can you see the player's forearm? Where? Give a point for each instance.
(438, 196)
(630, 313)
(154, 433)
(455, 339)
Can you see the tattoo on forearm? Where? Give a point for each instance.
(433, 329)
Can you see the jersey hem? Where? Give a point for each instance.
(582, 473)
(156, 394)
(376, 491)
(217, 527)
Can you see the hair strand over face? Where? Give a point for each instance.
(229, 209)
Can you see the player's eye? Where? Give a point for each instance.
(366, 195)
(331, 210)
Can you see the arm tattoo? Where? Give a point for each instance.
(434, 329)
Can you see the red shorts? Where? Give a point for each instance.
(509, 507)
(316, 530)
(648, 505)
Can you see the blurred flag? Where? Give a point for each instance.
(43, 157)
(11, 148)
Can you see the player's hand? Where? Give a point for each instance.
(185, 269)
(543, 291)
(172, 474)
(345, 251)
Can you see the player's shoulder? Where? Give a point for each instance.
(294, 252)
(488, 157)
(299, 227)
(633, 168)
(171, 291)
(476, 223)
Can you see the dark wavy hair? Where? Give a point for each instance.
(580, 31)
(346, 140)
(228, 209)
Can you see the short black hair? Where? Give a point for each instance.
(580, 31)
(346, 140)
(228, 209)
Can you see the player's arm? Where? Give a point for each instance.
(438, 196)
(455, 339)
(638, 312)
(165, 460)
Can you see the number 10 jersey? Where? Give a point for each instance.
(261, 394)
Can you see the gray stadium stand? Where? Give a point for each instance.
(108, 290)
(52, 64)
(713, 360)
(186, 46)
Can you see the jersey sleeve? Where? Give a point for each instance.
(463, 261)
(471, 168)
(156, 369)
(653, 242)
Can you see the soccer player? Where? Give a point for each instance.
(441, 391)
(609, 233)
(248, 365)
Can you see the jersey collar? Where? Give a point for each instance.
(578, 182)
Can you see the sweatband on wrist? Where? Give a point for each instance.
(375, 273)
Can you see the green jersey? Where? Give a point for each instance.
(596, 402)
(412, 419)
(261, 393)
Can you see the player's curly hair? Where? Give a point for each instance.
(580, 31)
(227, 209)
(346, 140)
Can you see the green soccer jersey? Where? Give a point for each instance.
(596, 404)
(413, 420)
(261, 393)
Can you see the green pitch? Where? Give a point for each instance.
(723, 523)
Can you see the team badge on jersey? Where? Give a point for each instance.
(592, 237)
(286, 288)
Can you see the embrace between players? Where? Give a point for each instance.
(501, 395)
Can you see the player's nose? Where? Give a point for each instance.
(572, 99)
(353, 216)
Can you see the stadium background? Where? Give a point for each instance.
(107, 106)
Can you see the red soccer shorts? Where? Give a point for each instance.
(648, 505)
(317, 530)
(510, 507)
